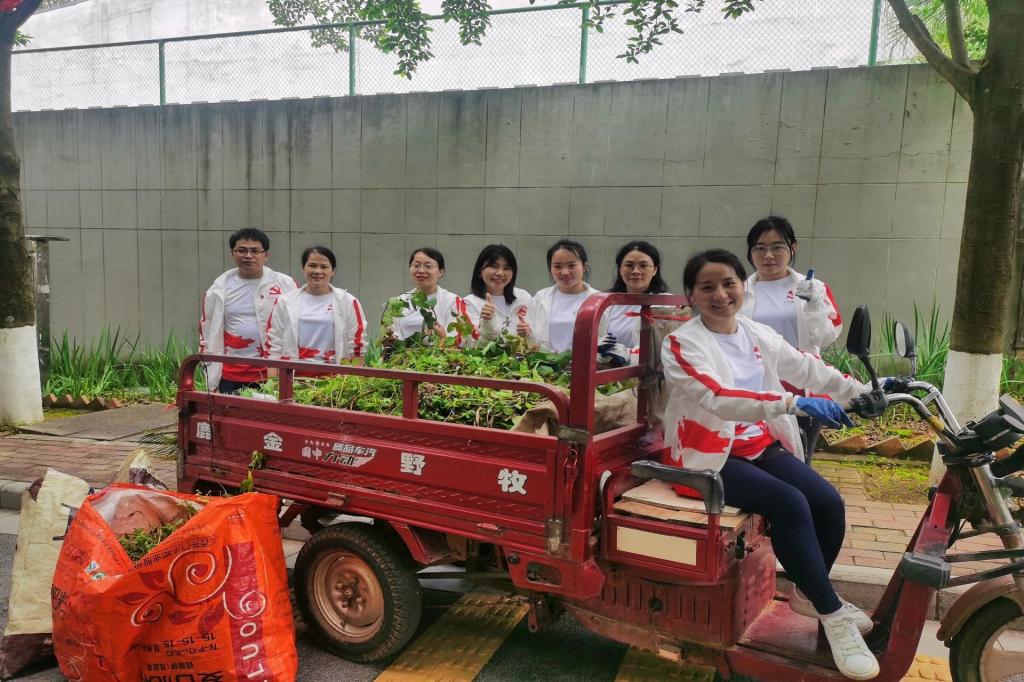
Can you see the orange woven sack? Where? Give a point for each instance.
(210, 602)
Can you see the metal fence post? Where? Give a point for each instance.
(351, 59)
(876, 17)
(585, 14)
(163, 72)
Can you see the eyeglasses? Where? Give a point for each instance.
(776, 249)
(427, 267)
(250, 252)
(642, 267)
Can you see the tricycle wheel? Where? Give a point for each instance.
(990, 645)
(357, 591)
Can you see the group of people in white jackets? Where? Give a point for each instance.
(748, 390)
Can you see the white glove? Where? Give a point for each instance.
(810, 290)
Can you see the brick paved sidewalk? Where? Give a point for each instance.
(877, 532)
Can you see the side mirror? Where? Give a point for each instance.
(905, 347)
(858, 339)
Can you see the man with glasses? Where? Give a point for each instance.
(236, 312)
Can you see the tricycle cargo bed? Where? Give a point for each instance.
(483, 481)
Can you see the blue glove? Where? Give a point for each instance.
(828, 412)
(611, 352)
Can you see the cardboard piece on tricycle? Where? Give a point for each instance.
(660, 494)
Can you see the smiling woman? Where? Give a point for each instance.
(496, 305)
(426, 269)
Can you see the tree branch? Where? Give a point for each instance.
(960, 77)
(955, 33)
(10, 22)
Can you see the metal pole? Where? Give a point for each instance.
(585, 14)
(876, 16)
(351, 59)
(40, 248)
(163, 73)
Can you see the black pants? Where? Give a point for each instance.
(228, 386)
(805, 514)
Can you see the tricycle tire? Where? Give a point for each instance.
(972, 656)
(357, 591)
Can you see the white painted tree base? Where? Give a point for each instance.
(20, 394)
(971, 388)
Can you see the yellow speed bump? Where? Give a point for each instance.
(643, 666)
(928, 668)
(460, 643)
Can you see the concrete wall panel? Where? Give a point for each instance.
(62, 209)
(421, 140)
(461, 139)
(210, 206)
(209, 148)
(855, 211)
(91, 285)
(311, 147)
(590, 135)
(501, 211)
(346, 133)
(66, 286)
(587, 206)
(61, 169)
(151, 299)
(636, 149)
(960, 142)
(90, 144)
(242, 140)
(504, 116)
(864, 114)
(927, 125)
(149, 148)
(801, 122)
(311, 209)
(545, 147)
(275, 168)
(421, 211)
(121, 280)
(632, 210)
(910, 261)
(728, 211)
(178, 147)
(181, 285)
(117, 136)
(119, 209)
(460, 211)
(743, 134)
(383, 141)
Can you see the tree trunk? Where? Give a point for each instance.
(20, 399)
(991, 218)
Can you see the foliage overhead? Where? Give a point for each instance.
(400, 27)
(974, 17)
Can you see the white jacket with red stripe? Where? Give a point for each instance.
(349, 326)
(703, 407)
(211, 323)
(817, 325)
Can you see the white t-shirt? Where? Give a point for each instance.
(506, 315)
(316, 327)
(241, 330)
(624, 324)
(774, 306)
(748, 373)
(563, 319)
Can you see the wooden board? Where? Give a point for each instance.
(660, 494)
(126, 423)
(690, 518)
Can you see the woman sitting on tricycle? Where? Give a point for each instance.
(728, 412)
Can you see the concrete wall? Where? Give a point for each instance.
(869, 164)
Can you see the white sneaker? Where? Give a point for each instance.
(802, 605)
(852, 656)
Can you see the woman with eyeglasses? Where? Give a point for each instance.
(637, 271)
(496, 305)
(317, 322)
(426, 269)
(802, 310)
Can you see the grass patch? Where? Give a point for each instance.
(887, 480)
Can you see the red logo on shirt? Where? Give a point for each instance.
(789, 296)
(308, 353)
(274, 290)
(757, 355)
(237, 342)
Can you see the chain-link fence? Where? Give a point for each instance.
(537, 45)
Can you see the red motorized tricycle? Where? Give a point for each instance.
(694, 583)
